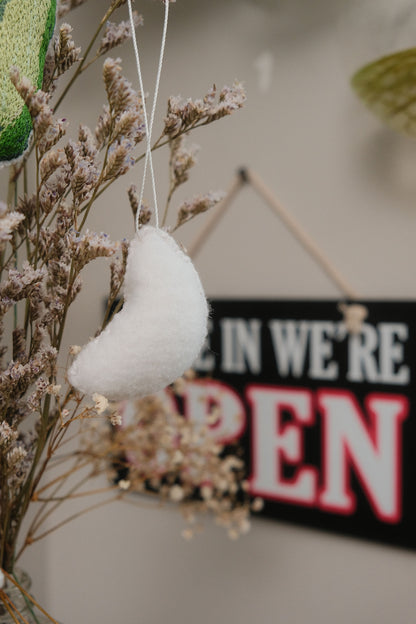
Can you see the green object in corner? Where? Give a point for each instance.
(26, 27)
(388, 88)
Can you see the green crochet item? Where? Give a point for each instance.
(26, 27)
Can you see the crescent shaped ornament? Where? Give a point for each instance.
(158, 333)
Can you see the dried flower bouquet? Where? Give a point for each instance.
(44, 245)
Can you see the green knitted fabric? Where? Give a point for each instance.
(26, 27)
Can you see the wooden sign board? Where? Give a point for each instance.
(327, 419)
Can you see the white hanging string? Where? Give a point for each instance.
(149, 125)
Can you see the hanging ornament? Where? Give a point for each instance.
(159, 332)
(26, 27)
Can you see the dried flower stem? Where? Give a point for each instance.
(74, 517)
(66, 497)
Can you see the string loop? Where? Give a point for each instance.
(148, 162)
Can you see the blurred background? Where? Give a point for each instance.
(351, 183)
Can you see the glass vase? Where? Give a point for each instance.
(25, 608)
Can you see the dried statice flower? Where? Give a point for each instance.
(185, 115)
(66, 53)
(40, 112)
(230, 99)
(121, 125)
(19, 344)
(50, 163)
(17, 377)
(34, 401)
(8, 434)
(64, 6)
(129, 125)
(88, 246)
(133, 199)
(14, 457)
(119, 160)
(54, 183)
(48, 83)
(116, 34)
(197, 205)
(20, 283)
(145, 214)
(84, 171)
(53, 134)
(182, 159)
(103, 128)
(87, 142)
(27, 207)
(9, 222)
(118, 271)
(120, 93)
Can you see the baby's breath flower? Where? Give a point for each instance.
(124, 484)
(176, 493)
(116, 419)
(233, 534)
(187, 534)
(257, 504)
(54, 389)
(100, 403)
(206, 492)
(244, 526)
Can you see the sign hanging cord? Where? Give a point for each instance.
(247, 176)
(149, 125)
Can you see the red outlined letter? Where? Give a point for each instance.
(200, 396)
(275, 444)
(371, 446)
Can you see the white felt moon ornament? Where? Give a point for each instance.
(159, 331)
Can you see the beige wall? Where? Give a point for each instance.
(351, 183)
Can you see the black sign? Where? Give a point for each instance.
(326, 417)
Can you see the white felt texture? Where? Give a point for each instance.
(158, 333)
